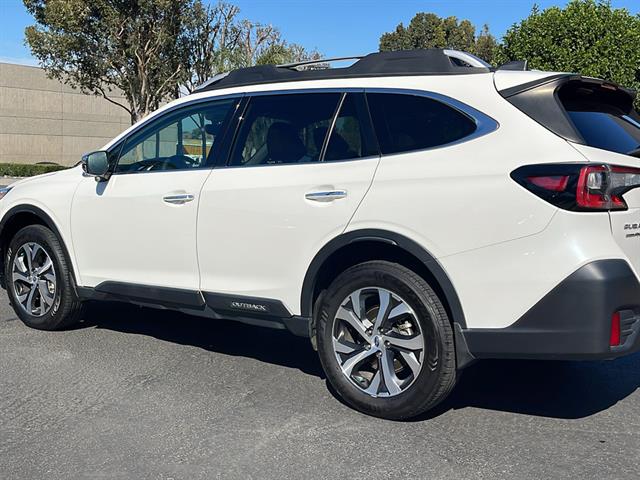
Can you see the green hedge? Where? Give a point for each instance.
(26, 170)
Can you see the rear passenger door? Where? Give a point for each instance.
(299, 166)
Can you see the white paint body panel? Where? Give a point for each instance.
(257, 233)
(250, 231)
(499, 283)
(504, 79)
(624, 237)
(53, 194)
(123, 230)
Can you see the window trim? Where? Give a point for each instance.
(208, 165)
(232, 138)
(332, 125)
(368, 130)
(484, 123)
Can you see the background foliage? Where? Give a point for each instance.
(587, 37)
(428, 30)
(99, 45)
(27, 170)
(152, 50)
(148, 49)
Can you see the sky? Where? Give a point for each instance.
(334, 27)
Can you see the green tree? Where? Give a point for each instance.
(260, 44)
(486, 45)
(219, 41)
(213, 34)
(98, 46)
(428, 30)
(150, 50)
(587, 37)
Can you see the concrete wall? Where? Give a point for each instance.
(42, 120)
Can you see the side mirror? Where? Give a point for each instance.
(96, 164)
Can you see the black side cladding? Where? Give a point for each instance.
(540, 102)
(573, 321)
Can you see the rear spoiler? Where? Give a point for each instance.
(545, 100)
(561, 79)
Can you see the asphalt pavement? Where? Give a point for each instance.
(140, 393)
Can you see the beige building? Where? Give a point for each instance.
(42, 120)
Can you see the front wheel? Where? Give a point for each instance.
(385, 341)
(38, 279)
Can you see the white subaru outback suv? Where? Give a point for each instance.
(410, 213)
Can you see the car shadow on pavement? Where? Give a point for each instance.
(554, 389)
(278, 347)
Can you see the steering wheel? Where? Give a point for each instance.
(179, 161)
(147, 165)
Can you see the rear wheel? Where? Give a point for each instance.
(385, 341)
(39, 280)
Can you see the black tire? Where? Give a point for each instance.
(66, 307)
(437, 376)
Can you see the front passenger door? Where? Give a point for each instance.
(139, 227)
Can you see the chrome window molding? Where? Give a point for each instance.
(466, 57)
(292, 91)
(484, 123)
(294, 165)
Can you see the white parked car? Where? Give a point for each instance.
(411, 213)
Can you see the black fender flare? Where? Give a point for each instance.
(47, 220)
(392, 238)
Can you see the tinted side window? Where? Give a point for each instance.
(351, 136)
(287, 128)
(177, 141)
(406, 122)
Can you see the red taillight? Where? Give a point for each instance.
(614, 340)
(578, 186)
(595, 189)
(554, 183)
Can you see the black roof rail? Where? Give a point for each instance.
(318, 61)
(436, 61)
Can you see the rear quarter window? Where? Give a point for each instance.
(405, 122)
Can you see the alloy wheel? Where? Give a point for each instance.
(378, 342)
(34, 279)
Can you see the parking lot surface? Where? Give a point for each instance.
(140, 393)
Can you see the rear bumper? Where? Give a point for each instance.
(573, 321)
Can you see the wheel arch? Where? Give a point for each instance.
(22, 216)
(369, 244)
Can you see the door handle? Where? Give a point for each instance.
(326, 196)
(179, 199)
